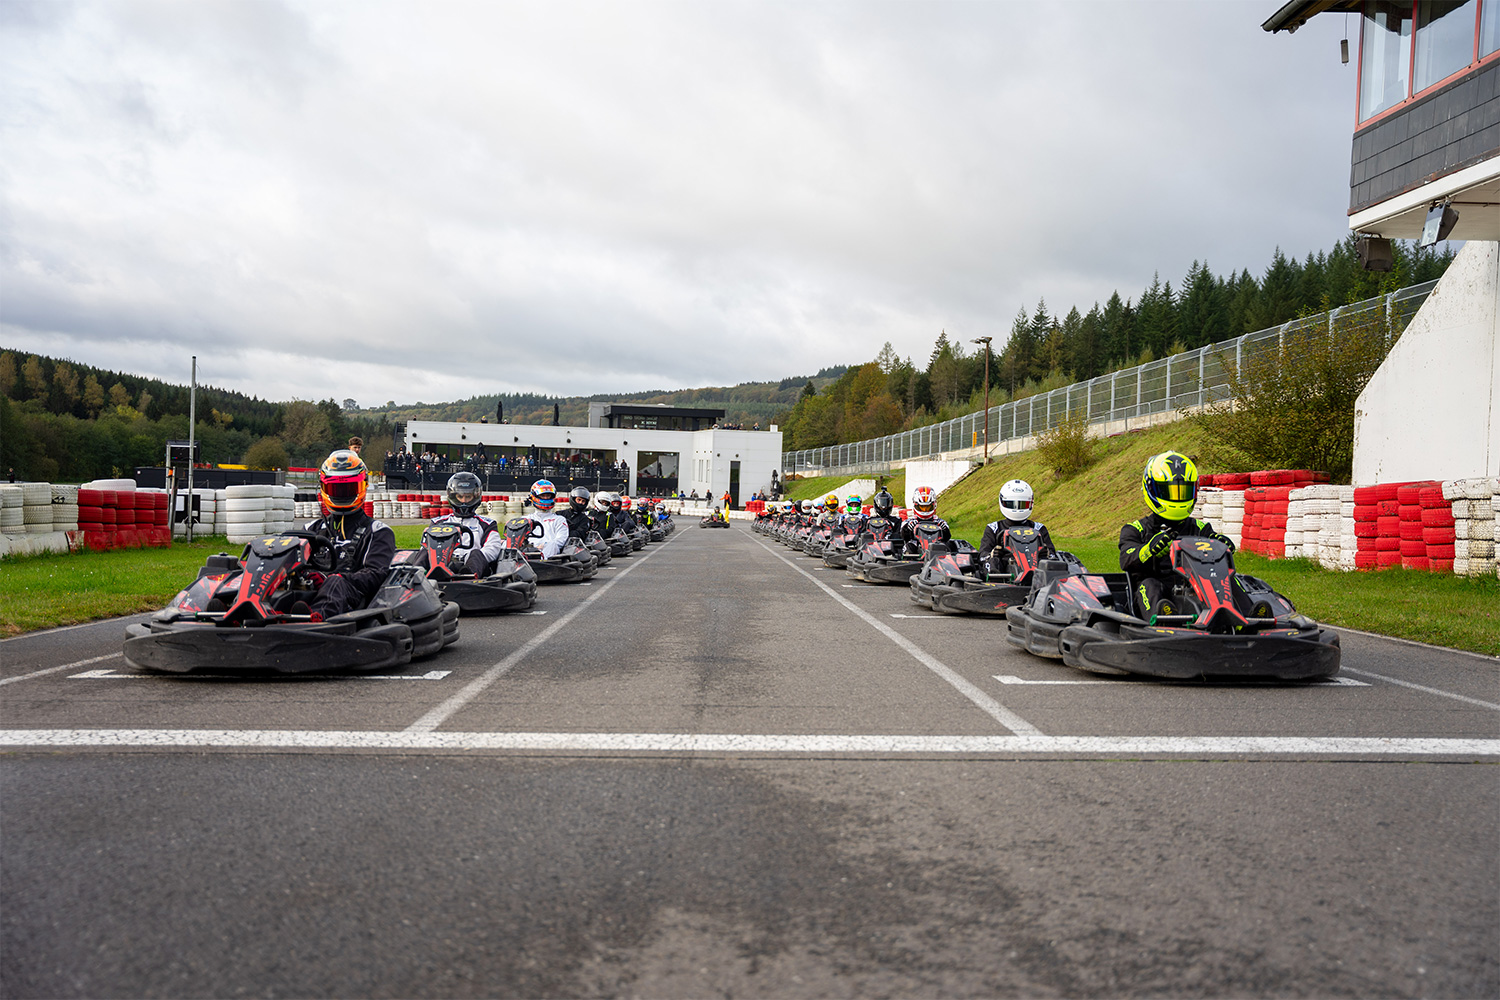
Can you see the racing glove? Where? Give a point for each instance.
(1222, 538)
(1157, 544)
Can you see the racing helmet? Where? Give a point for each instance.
(464, 493)
(883, 502)
(616, 502)
(579, 498)
(806, 506)
(924, 502)
(342, 482)
(831, 502)
(543, 494)
(1170, 485)
(1016, 499)
(625, 502)
(601, 500)
(854, 504)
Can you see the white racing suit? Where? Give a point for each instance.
(550, 533)
(479, 536)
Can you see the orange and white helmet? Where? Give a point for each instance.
(342, 482)
(924, 502)
(625, 502)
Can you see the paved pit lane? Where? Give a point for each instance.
(718, 769)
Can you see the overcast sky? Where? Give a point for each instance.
(432, 200)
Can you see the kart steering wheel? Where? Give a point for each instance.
(322, 556)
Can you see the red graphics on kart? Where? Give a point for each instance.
(267, 567)
(440, 543)
(518, 533)
(1025, 548)
(1207, 565)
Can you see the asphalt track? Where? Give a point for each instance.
(721, 770)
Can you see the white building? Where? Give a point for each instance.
(710, 462)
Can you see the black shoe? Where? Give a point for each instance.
(300, 609)
(1161, 608)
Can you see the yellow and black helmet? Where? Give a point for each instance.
(1170, 485)
(831, 502)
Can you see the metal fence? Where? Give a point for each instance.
(1184, 381)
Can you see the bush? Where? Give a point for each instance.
(267, 453)
(1066, 448)
(1291, 400)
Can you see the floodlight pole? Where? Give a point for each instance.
(192, 427)
(986, 342)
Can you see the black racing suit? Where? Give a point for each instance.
(365, 550)
(579, 523)
(994, 556)
(1152, 577)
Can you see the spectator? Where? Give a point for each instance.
(356, 444)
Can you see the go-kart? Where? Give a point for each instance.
(1231, 625)
(954, 581)
(251, 629)
(841, 545)
(511, 586)
(573, 564)
(602, 550)
(884, 561)
(714, 521)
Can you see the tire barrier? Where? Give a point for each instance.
(1473, 505)
(47, 518)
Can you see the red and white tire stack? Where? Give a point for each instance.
(113, 514)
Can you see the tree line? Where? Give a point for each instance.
(61, 421)
(1046, 350)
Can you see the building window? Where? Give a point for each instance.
(1445, 40)
(1397, 63)
(1384, 48)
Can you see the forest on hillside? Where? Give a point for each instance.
(1049, 349)
(64, 421)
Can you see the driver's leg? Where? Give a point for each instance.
(478, 564)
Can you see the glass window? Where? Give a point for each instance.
(1385, 46)
(1445, 40)
(1489, 27)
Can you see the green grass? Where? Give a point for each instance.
(819, 487)
(47, 591)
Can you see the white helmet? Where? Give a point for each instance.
(602, 499)
(1016, 499)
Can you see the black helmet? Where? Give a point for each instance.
(579, 498)
(883, 502)
(464, 493)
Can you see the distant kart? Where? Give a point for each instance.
(1089, 622)
(713, 522)
(952, 579)
(255, 633)
(511, 586)
(841, 545)
(574, 564)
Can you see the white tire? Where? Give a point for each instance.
(242, 504)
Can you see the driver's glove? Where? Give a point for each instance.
(1157, 545)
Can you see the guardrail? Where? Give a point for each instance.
(1192, 379)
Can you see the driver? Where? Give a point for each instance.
(482, 541)
(1169, 486)
(549, 532)
(577, 513)
(924, 512)
(881, 522)
(1016, 501)
(364, 547)
(854, 512)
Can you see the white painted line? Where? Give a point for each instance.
(429, 722)
(985, 703)
(1157, 682)
(516, 613)
(1492, 660)
(1426, 689)
(749, 742)
(65, 666)
(936, 618)
(68, 628)
(112, 675)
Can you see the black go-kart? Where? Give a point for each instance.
(714, 521)
(1231, 625)
(602, 550)
(574, 564)
(885, 561)
(511, 586)
(954, 581)
(236, 617)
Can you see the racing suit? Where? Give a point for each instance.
(579, 523)
(993, 555)
(364, 550)
(1145, 556)
(549, 532)
(481, 542)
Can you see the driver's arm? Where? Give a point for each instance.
(367, 579)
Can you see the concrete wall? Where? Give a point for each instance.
(1432, 411)
(938, 475)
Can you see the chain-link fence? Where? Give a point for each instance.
(1189, 380)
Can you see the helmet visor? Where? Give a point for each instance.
(1174, 492)
(344, 490)
(1015, 507)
